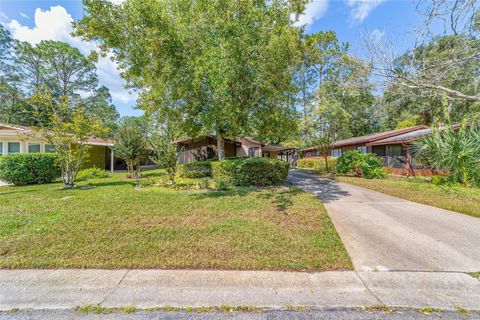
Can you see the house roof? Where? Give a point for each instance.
(368, 139)
(17, 130)
(402, 138)
(265, 146)
(409, 136)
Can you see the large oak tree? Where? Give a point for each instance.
(227, 66)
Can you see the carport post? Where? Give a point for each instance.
(111, 159)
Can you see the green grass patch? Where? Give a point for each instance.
(108, 223)
(455, 198)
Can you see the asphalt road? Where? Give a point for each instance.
(385, 233)
(334, 314)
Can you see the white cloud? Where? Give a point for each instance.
(24, 15)
(361, 8)
(377, 34)
(3, 17)
(56, 24)
(314, 10)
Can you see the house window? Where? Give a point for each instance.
(49, 148)
(1, 148)
(254, 152)
(33, 147)
(309, 154)
(13, 147)
(362, 149)
(336, 153)
(394, 150)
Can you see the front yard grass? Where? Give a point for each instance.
(107, 223)
(455, 198)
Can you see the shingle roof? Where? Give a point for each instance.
(372, 137)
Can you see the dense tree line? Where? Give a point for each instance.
(54, 68)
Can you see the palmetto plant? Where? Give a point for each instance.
(455, 150)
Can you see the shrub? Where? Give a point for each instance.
(221, 185)
(317, 164)
(29, 168)
(454, 150)
(200, 169)
(250, 171)
(92, 173)
(365, 165)
(440, 180)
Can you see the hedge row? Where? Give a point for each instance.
(29, 168)
(199, 169)
(239, 172)
(317, 164)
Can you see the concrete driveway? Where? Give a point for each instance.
(382, 232)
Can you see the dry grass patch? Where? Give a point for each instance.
(113, 225)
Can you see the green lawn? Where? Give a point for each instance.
(110, 224)
(455, 198)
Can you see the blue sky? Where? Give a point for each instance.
(352, 20)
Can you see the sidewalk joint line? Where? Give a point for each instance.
(114, 287)
(368, 289)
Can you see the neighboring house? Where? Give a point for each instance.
(205, 148)
(362, 143)
(397, 155)
(393, 146)
(21, 139)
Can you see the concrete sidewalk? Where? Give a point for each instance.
(65, 289)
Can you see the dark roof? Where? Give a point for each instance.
(363, 140)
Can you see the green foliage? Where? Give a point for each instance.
(455, 150)
(68, 132)
(357, 164)
(250, 171)
(92, 173)
(131, 146)
(440, 180)
(54, 67)
(29, 168)
(163, 151)
(199, 169)
(235, 65)
(317, 164)
(220, 185)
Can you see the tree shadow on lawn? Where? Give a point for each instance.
(325, 189)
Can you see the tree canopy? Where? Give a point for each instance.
(226, 65)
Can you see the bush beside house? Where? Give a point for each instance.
(92, 173)
(365, 165)
(29, 168)
(199, 169)
(317, 164)
(239, 172)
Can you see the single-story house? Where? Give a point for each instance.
(205, 148)
(393, 146)
(397, 155)
(364, 143)
(21, 139)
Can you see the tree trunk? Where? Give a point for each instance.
(220, 147)
(326, 163)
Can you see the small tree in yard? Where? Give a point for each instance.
(131, 146)
(330, 125)
(164, 129)
(69, 138)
